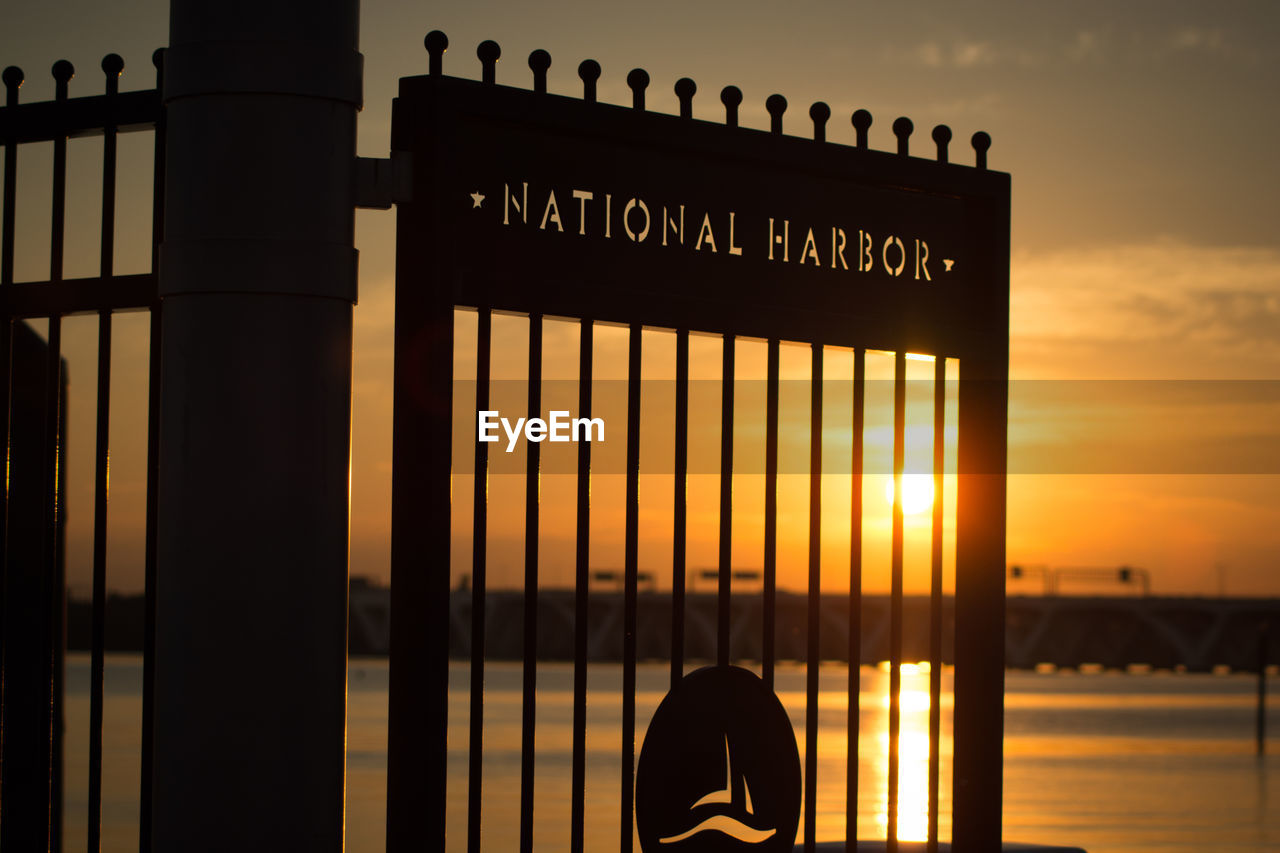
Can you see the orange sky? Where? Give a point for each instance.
(1140, 137)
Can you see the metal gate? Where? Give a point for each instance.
(33, 633)
(919, 266)
(546, 206)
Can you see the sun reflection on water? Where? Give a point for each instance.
(913, 758)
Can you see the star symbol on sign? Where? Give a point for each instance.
(949, 263)
(476, 199)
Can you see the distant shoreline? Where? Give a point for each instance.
(1174, 633)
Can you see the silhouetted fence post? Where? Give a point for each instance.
(258, 279)
(32, 605)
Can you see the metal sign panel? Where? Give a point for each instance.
(555, 205)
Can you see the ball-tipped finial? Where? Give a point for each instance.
(861, 121)
(589, 71)
(539, 62)
(902, 128)
(776, 105)
(112, 64)
(638, 80)
(981, 144)
(942, 138)
(436, 44)
(820, 113)
(731, 97)
(13, 78)
(685, 90)
(63, 71)
(489, 52)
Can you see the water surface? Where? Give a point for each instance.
(1114, 763)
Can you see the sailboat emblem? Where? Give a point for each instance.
(719, 771)
(723, 822)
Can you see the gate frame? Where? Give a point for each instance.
(435, 121)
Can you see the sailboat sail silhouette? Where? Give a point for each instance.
(725, 823)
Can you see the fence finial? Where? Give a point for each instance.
(157, 59)
(63, 71)
(981, 143)
(731, 97)
(861, 121)
(488, 51)
(13, 78)
(436, 44)
(820, 113)
(685, 90)
(112, 64)
(942, 136)
(539, 62)
(902, 128)
(776, 105)
(589, 71)
(638, 80)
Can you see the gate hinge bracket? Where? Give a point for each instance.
(381, 183)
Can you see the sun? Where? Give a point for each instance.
(917, 492)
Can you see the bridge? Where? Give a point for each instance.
(1197, 634)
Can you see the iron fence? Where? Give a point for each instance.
(32, 717)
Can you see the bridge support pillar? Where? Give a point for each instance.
(258, 280)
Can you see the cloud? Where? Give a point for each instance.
(1214, 42)
(961, 54)
(1085, 47)
(1166, 299)
(1197, 38)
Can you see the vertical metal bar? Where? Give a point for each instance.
(421, 589)
(55, 576)
(103, 402)
(723, 652)
(528, 705)
(631, 558)
(153, 475)
(815, 600)
(895, 595)
(680, 507)
(149, 583)
(55, 581)
(6, 362)
(582, 559)
(768, 640)
(99, 581)
(935, 596)
(854, 718)
(479, 565)
(12, 81)
(982, 421)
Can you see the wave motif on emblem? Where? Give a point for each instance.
(725, 823)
